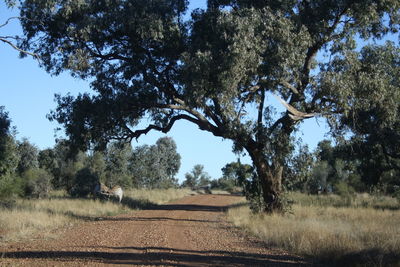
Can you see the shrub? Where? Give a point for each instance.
(10, 186)
(84, 182)
(37, 183)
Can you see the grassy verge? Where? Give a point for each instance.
(158, 196)
(329, 231)
(29, 218)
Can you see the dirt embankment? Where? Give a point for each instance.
(188, 232)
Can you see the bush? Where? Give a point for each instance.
(343, 189)
(84, 183)
(10, 186)
(37, 183)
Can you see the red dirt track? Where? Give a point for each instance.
(189, 232)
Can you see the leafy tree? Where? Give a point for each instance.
(319, 177)
(66, 166)
(97, 165)
(213, 70)
(37, 183)
(197, 177)
(169, 158)
(9, 185)
(8, 146)
(299, 169)
(84, 183)
(46, 159)
(234, 174)
(156, 166)
(117, 159)
(28, 156)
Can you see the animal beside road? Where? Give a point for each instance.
(103, 191)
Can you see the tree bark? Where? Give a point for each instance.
(270, 176)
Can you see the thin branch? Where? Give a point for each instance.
(8, 20)
(289, 86)
(19, 49)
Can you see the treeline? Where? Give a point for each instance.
(29, 172)
(344, 168)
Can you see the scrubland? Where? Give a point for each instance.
(41, 218)
(353, 231)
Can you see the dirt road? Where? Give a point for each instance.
(189, 232)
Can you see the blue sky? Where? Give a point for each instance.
(27, 92)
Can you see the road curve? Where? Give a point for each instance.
(192, 231)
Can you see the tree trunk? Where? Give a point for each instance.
(270, 177)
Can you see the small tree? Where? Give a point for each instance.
(117, 159)
(197, 177)
(8, 146)
(234, 174)
(28, 156)
(84, 183)
(37, 183)
(66, 166)
(156, 166)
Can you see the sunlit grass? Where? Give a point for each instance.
(351, 235)
(158, 196)
(30, 218)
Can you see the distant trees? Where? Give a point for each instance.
(8, 156)
(196, 177)
(28, 172)
(8, 151)
(156, 166)
(28, 156)
(234, 174)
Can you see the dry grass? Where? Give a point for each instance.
(158, 196)
(29, 219)
(364, 236)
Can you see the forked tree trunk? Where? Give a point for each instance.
(271, 182)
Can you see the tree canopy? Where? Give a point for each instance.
(218, 69)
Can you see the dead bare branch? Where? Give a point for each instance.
(294, 113)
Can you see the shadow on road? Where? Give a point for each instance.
(159, 256)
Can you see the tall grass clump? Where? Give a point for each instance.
(351, 235)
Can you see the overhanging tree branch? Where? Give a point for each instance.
(34, 55)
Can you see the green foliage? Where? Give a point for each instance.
(299, 169)
(65, 166)
(28, 156)
(47, 159)
(84, 183)
(117, 160)
(10, 186)
(97, 165)
(232, 176)
(343, 189)
(155, 166)
(252, 189)
(10, 3)
(319, 177)
(218, 69)
(8, 147)
(197, 177)
(36, 183)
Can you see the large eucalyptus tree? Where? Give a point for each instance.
(217, 69)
